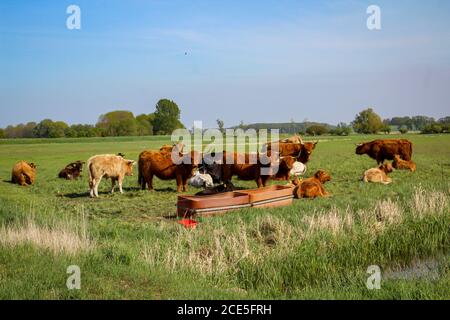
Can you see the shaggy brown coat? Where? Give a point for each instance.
(160, 164)
(312, 187)
(400, 164)
(23, 173)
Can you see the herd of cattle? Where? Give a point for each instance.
(289, 156)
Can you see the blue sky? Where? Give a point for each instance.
(256, 61)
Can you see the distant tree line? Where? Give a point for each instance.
(164, 120)
(367, 121)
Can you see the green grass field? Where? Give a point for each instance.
(127, 248)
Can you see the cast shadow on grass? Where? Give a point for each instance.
(106, 193)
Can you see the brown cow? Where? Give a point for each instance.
(108, 166)
(244, 168)
(302, 151)
(23, 173)
(379, 174)
(72, 171)
(312, 187)
(398, 163)
(381, 150)
(160, 164)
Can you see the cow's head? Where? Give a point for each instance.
(322, 176)
(306, 151)
(129, 167)
(397, 158)
(362, 148)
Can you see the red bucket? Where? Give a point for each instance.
(188, 223)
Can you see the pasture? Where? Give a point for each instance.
(127, 247)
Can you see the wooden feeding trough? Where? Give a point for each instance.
(272, 196)
(211, 204)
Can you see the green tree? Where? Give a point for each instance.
(2, 133)
(166, 117)
(342, 129)
(117, 123)
(221, 125)
(49, 129)
(367, 121)
(144, 125)
(316, 130)
(403, 129)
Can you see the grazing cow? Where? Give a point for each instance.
(302, 151)
(381, 150)
(108, 166)
(379, 174)
(72, 171)
(23, 173)
(160, 164)
(312, 187)
(400, 164)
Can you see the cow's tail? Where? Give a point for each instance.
(141, 180)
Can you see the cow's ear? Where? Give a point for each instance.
(131, 162)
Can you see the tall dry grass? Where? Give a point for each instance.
(67, 236)
(426, 202)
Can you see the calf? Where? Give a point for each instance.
(108, 166)
(400, 164)
(379, 174)
(72, 171)
(23, 173)
(312, 187)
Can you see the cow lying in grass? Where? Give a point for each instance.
(108, 166)
(23, 173)
(379, 174)
(72, 171)
(400, 164)
(312, 187)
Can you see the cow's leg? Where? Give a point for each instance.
(149, 180)
(184, 184)
(259, 182)
(97, 183)
(179, 183)
(91, 187)
(113, 184)
(120, 184)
